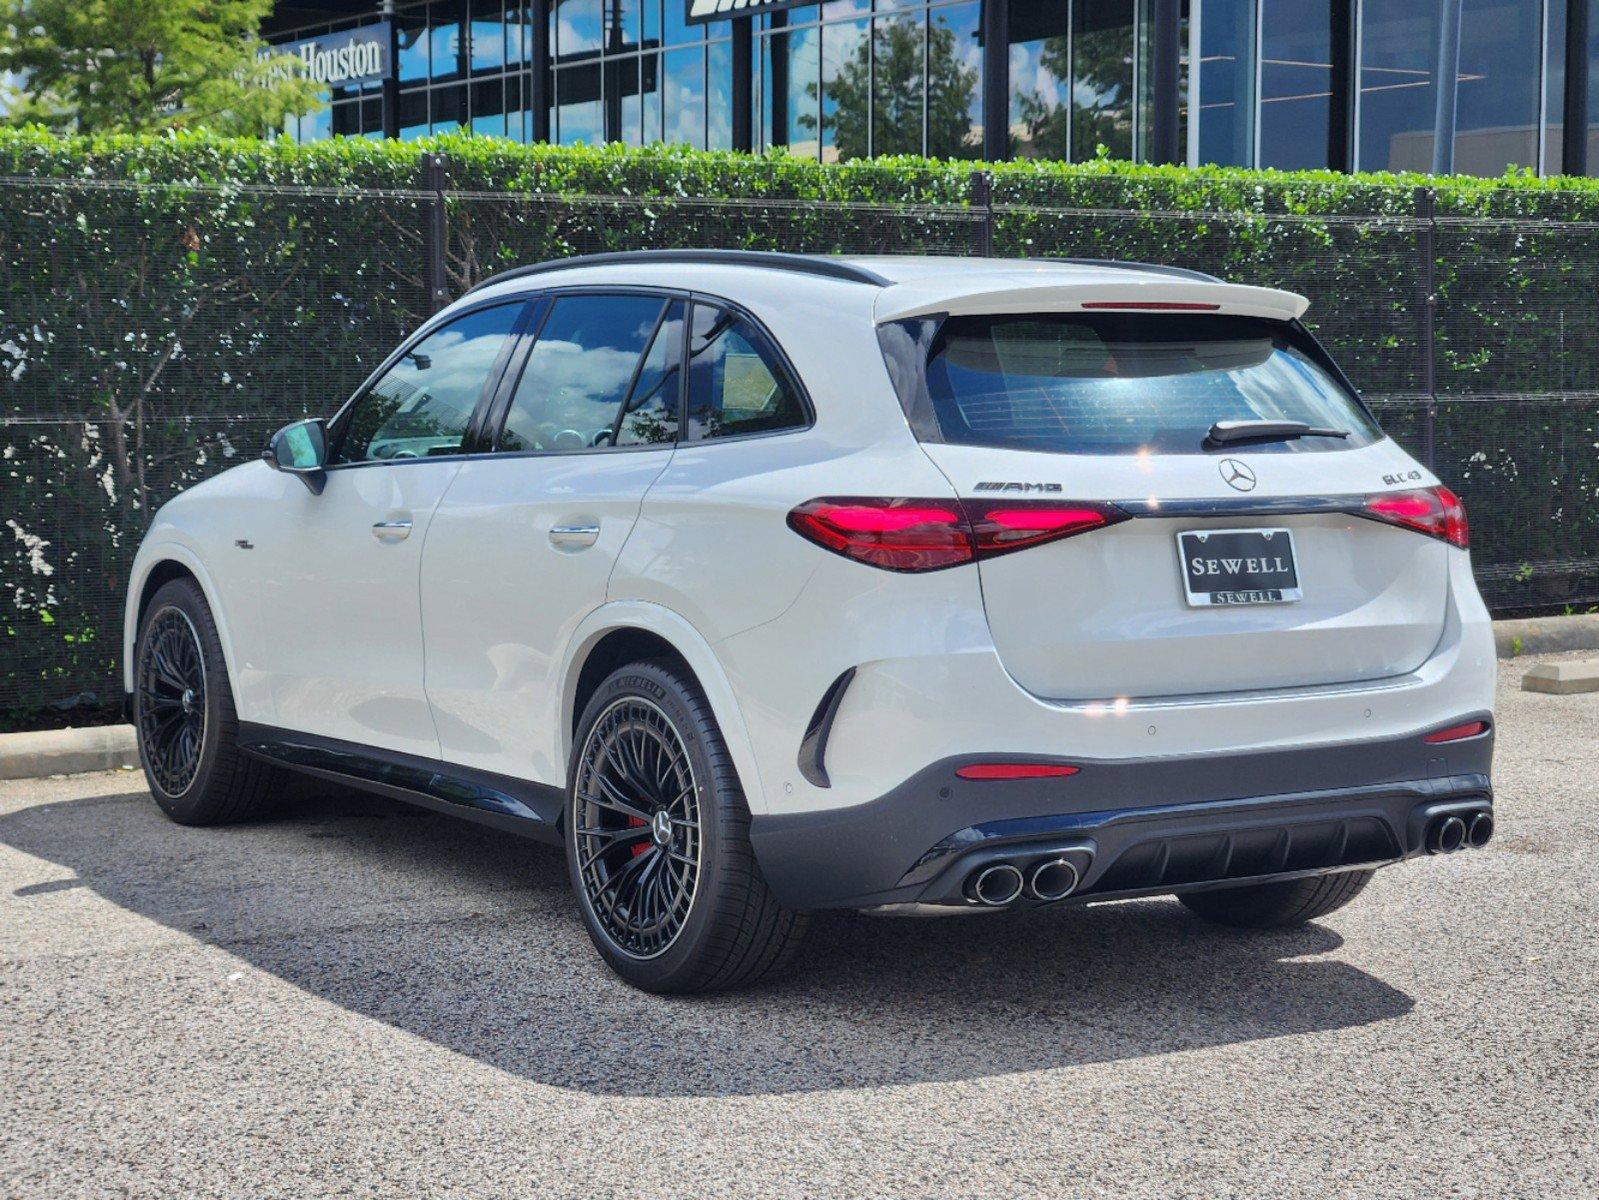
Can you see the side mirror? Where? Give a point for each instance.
(300, 449)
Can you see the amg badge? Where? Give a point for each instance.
(1014, 486)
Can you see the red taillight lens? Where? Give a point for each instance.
(928, 535)
(896, 535)
(1436, 512)
(999, 770)
(999, 527)
(1457, 733)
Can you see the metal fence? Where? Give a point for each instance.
(152, 334)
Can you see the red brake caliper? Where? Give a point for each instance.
(638, 847)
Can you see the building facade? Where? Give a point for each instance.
(1476, 86)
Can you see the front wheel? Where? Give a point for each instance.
(184, 718)
(1278, 905)
(657, 842)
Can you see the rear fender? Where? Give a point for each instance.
(696, 651)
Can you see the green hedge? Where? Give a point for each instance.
(165, 302)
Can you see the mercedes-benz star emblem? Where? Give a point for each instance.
(1236, 474)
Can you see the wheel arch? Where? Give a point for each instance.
(626, 631)
(165, 563)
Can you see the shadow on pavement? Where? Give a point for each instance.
(470, 939)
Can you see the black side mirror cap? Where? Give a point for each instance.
(300, 449)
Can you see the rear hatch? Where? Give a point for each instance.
(1226, 561)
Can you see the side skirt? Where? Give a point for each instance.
(516, 806)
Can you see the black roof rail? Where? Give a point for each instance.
(1150, 268)
(805, 264)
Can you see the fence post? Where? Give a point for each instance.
(982, 202)
(435, 239)
(1427, 295)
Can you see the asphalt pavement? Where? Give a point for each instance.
(360, 999)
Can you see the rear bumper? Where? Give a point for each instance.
(1131, 827)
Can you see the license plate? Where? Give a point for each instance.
(1238, 566)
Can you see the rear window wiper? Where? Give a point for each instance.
(1226, 433)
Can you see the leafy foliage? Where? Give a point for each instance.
(135, 66)
(167, 301)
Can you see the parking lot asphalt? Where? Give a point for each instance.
(360, 999)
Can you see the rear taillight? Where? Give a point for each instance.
(1436, 512)
(896, 535)
(928, 535)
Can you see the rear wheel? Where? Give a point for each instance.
(184, 718)
(1278, 905)
(657, 842)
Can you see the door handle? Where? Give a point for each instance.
(392, 531)
(574, 536)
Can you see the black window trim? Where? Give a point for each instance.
(492, 405)
(338, 425)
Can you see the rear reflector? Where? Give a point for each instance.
(1436, 512)
(928, 535)
(1457, 733)
(1015, 771)
(1153, 305)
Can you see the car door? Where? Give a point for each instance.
(325, 614)
(522, 546)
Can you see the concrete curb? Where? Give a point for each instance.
(67, 751)
(1547, 635)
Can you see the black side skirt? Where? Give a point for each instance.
(515, 805)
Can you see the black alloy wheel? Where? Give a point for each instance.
(172, 701)
(637, 827)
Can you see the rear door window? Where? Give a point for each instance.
(589, 353)
(1126, 383)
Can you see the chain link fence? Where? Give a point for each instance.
(152, 334)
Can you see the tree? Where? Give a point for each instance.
(895, 110)
(136, 66)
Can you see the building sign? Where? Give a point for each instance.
(702, 11)
(342, 59)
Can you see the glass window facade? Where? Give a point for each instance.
(841, 81)
(1271, 83)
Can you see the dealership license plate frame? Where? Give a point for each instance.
(1237, 597)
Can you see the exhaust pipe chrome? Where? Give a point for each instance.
(1480, 831)
(994, 885)
(1447, 835)
(1054, 879)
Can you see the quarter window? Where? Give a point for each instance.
(735, 384)
(578, 372)
(422, 406)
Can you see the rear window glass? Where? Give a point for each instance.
(1125, 383)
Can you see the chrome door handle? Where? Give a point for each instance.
(392, 531)
(574, 536)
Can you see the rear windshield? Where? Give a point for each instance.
(1118, 383)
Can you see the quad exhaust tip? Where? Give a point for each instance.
(1471, 830)
(1480, 831)
(994, 885)
(1447, 835)
(1054, 879)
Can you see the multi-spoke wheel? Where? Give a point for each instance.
(172, 700)
(658, 841)
(184, 717)
(637, 827)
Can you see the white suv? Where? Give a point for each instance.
(769, 583)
